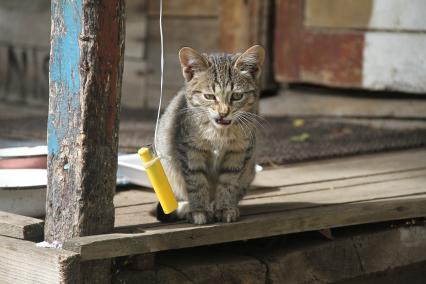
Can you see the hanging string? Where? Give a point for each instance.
(162, 71)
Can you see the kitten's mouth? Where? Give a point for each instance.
(222, 121)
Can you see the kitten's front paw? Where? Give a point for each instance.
(228, 215)
(198, 217)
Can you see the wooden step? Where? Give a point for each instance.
(300, 197)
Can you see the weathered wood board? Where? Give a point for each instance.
(24, 52)
(249, 227)
(356, 166)
(21, 227)
(371, 44)
(388, 15)
(189, 33)
(23, 262)
(329, 104)
(243, 24)
(86, 68)
(303, 197)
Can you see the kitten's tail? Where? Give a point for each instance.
(179, 214)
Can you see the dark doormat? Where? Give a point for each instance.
(282, 142)
(282, 139)
(288, 140)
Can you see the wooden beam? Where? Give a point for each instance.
(85, 80)
(255, 226)
(21, 227)
(86, 64)
(23, 262)
(243, 24)
(240, 24)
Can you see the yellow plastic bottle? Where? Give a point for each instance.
(158, 179)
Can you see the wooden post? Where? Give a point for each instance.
(243, 23)
(86, 65)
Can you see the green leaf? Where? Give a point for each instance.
(300, 138)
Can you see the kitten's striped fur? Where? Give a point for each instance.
(210, 164)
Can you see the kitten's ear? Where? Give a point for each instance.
(192, 62)
(251, 61)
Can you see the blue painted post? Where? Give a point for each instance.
(86, 63)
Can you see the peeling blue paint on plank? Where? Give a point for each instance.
(64, 69)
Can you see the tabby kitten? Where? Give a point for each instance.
(208, 134)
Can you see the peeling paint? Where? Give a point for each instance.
(64, 68)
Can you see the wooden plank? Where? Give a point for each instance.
(240, 24)
(358, 193)
(135, 215)
(246, 23)
(125, 203)
(350, 167)
(389, 15)
(132, 197)
(330, 104)
(23, 262)
(305, 181)
(184, 8)
(134, 83)
(334, 184)
(179, 32)
(136, 29)
(297, 196)
(263, 225)
(21, 227)
(320, 176)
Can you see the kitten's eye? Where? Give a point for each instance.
(210, 97)
(237, 96)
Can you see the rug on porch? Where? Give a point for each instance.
(282, 139)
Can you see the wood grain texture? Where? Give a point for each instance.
(86, 67)
(336, 184)
(249, 227)
(378, 110)
(392, 188)
(356, 190)
(240, 24)
(85, 85)
(243, 24)
(357, 166)
(23, 262)
(292, 197)
(21, 227)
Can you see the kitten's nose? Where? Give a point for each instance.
(223, 111)
(223, 114)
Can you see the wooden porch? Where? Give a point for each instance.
(294, 198)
